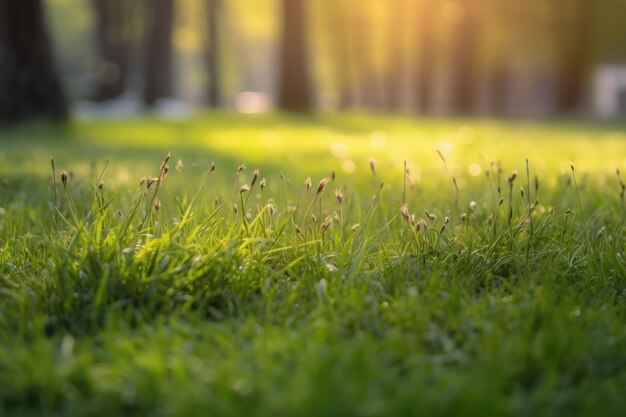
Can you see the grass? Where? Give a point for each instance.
(454, 287)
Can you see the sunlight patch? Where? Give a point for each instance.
(338, 150)
(378, 139)
(474, 170)
(348, 166)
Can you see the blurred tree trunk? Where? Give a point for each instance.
(295, 94)
(499, 89)
(574, 40)
(425, 56)
(397, 56)
(158, 65)
(341, 27)
(214, 92)
(464, 50)
(112, 32)
(29, 83)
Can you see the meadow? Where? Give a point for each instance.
(339, 265)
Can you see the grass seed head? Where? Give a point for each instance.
(179, 165)
(421, 225)
(463, 217)
(244, 188)
(326, 223)
(100, 185)
(212, 168)
(339, 195)
(308, 183)
(372, 166)
(255, 177)
(404, 210)
(262, 183)
(322, 186)
(512, 178)
(355, 226)
(333, 175)
(150, 181)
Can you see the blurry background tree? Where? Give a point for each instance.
(113, 30)
(214, 91)
(158, 66)
(29, 83)
(294, 88)
(483, 57)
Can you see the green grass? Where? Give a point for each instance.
(293, 304)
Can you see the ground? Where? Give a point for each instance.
(487, 278)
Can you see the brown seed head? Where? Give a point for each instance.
(339, 195)
(372, 166)
(255, 176)
(463, 217)
(212, 168)
(512, 178)
(326, 223)
(333, 175)
(244, 188)
(421, 225)
(150, 182)
(308, 183)
(64, 178)
(262, 183)
(404, 210)
(322, 186)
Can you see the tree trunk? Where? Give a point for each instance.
(464, 51)
(158, 66)
(574, 42)
(295, 94)
(112, 43)
(425, 57)
(499, 89)
(344, 72)
(29, 83)
(214, 88)
(397, 56)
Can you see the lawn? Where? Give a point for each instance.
(486, 278)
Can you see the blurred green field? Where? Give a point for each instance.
(478, 302)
